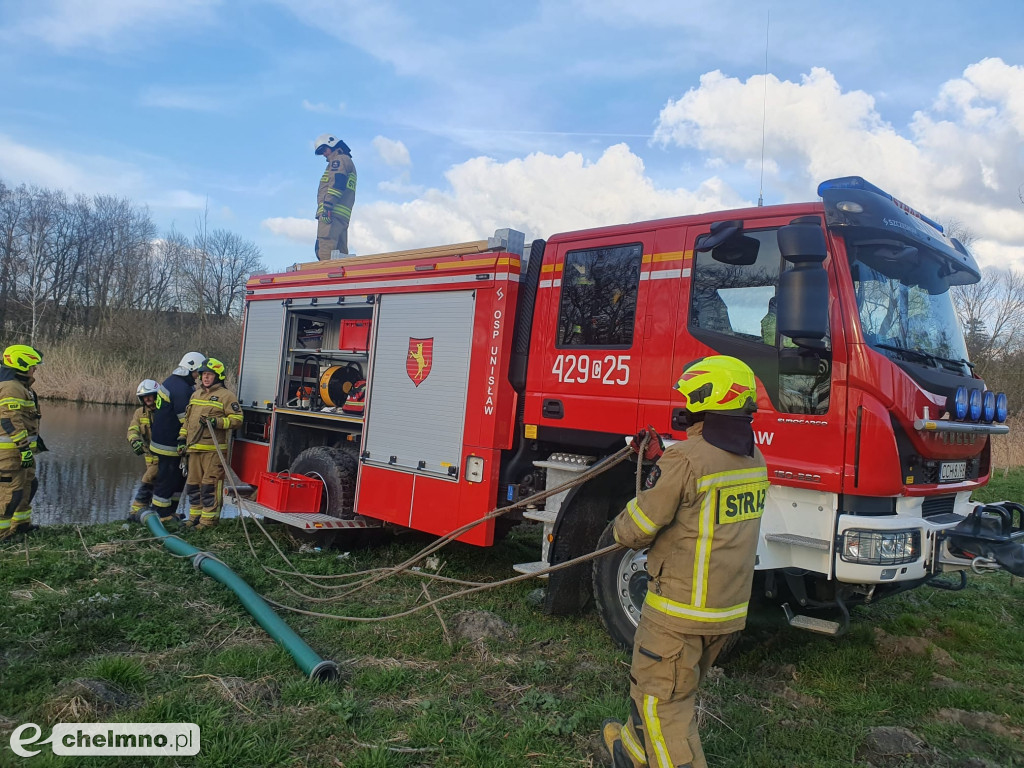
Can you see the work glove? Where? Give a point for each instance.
(138, 447)
(27, 459)
(325, 217)
(654, 448)
(181, 447)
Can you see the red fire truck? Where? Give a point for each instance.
(424, 388)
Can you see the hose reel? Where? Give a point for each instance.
(337, 381)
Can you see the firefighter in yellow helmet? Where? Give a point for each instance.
(152, 396)
(211, 414)
(700, 514)
(335, 197)
(19, 442)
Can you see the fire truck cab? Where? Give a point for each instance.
(426, 388)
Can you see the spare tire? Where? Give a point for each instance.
(336, 469)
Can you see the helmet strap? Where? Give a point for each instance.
(730, 431)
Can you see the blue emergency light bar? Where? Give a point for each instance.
(856, 182)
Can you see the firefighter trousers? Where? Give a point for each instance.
(144, 495)
(205, 486)
(332, 236)
(168, 484)
(17, 487)
(667, 670)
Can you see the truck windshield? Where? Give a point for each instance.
(904, 302)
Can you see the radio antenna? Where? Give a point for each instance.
(764, 107)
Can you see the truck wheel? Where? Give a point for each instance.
(336, 469)
(620, 586)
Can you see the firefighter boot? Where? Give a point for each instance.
(210, 496)
(195, 507)
(611, 732)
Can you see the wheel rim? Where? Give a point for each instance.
(631, 583)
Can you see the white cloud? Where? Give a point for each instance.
(88, 174)
(103, 24)
(391, 151)
(291, 227)
(958, 159)
(540, 194)
(194, 99)
(322, 108)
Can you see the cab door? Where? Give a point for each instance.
(593, 330)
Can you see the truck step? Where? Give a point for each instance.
(811, 624)
(531, 568)
(540, 515)
(798, 541)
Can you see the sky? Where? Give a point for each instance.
(542, 115)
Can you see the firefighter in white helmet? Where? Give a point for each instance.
(700, 514)
(140, 435)
(336, 196)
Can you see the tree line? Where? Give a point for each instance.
(77, 265)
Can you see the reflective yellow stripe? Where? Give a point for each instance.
(143, 421)
(632, 746)
(657, 738)
(163, 450)
(206, 447)
(697, 613)
(643, 522)
(152, 460)
(14, 403)
(211, 403)
(5, 523)
(22, 515)
(709, 485)
(10, 443)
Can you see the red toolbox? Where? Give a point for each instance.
(354, 335)
(287, 492)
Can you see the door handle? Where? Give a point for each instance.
(552, 409)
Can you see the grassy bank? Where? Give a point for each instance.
(107, 366)
(104, 625)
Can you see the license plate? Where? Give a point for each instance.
(952, 470)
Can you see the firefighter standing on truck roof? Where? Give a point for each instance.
(700, 514)
(19, 442)
(211, 413)
(140, 435)
(335, 198)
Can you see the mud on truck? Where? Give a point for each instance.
(422, 389)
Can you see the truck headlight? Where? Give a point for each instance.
(881, 547)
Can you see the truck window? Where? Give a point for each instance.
(734, 298)
(598, 303)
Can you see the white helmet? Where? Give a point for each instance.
(331, 141)
(150, 387)
(191, 361)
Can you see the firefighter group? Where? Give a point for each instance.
(181, 430)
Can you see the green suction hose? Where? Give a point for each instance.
(309, 662)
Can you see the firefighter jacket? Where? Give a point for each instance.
(165, 425)
(180, 389)
(219, 404)
(141, 428)
(337, 193)
(19, 414)
(700, 514)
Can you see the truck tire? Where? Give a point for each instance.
(620, 585)
(336, 469)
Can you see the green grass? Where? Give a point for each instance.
(175, 646)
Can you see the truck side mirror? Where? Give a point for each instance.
(803, 288)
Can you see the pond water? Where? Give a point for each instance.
(89, 474)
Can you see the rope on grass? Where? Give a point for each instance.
(373, 576)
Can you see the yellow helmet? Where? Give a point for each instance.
(21, 357)
(213, 365)
(718, 383)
